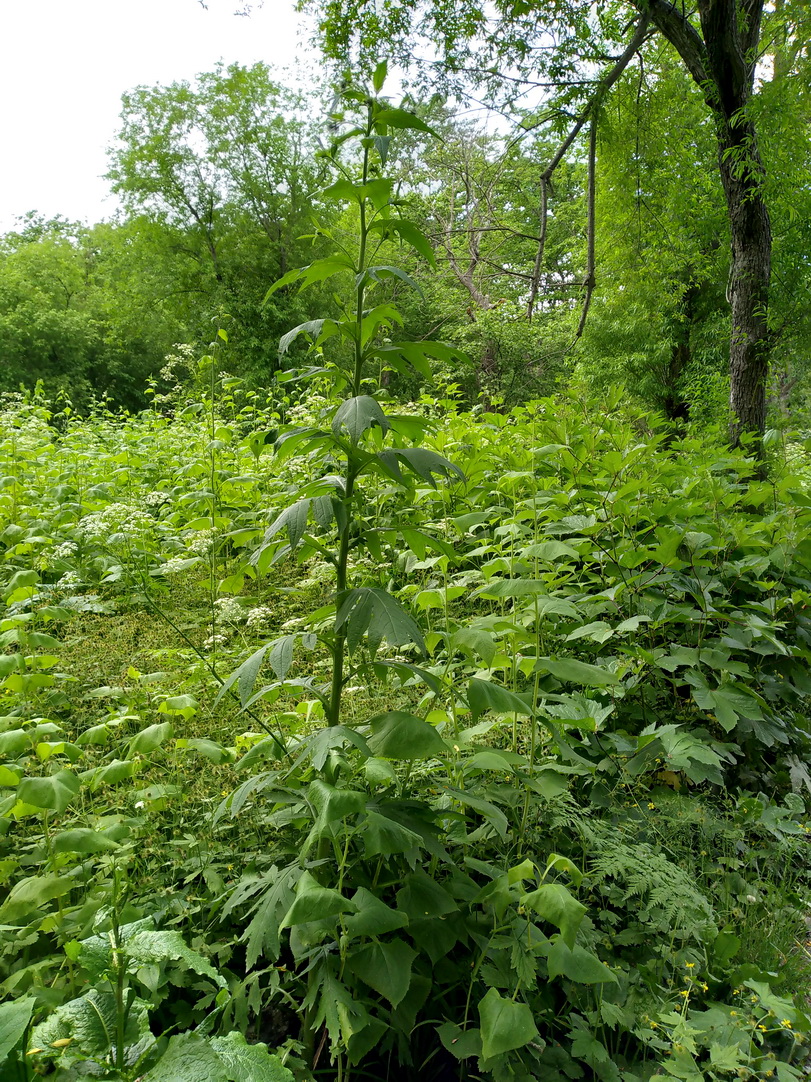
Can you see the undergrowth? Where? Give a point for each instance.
(409, 742)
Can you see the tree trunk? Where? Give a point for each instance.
(721, 60)
(741, 176)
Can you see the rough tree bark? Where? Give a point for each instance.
(721, 60)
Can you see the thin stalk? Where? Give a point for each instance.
(339, 647)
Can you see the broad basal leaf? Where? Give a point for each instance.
(577, 964)
(553, 902)
(245, 1062)
(314, 902)
(398, 735)
(385, 966)
(505, 1024)
(189, 1058)
(14, 1018)
(29, 894)
(53, 793)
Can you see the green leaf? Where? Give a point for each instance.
(577, 964)
(83, 840)
(14, 1019)
(318, 271)
(373, 917)
(379, 76)
(245, 1062)
(398, 735)
(294, 518)
(314, 902)
(418, 354)
(381, 273)
(89, 1023)
(505, 1024)
(489, 810)
(14, 743)
(402, 118)
(461, 1043)
(150, 738)
(182, 705)
(374, 612)
(188, 1058)
(332, 805)
(313, 328)
(386, 967)
(553, 902)
(148, 945)
(384, 836)
(53, 793)
(550, 551)
(483, 695)
(409, 232)
(421, 461)
(421, 896)
(111, 774)
(357, 415)
(577, 672)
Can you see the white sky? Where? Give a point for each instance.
(66, 63)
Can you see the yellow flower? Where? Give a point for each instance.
(704, 986)
(651, 805)
(690, 965)
(684, 992)
(784, 1022)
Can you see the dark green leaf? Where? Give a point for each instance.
(357, 415)
(398, 735)
(505, 1024)
(386, 967)
(53, 793)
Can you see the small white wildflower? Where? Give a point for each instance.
(114, 519)
(139, 804)
(215, 640)
(156, 498)
(259, 616)
(69, 580)
(66, 549)
(230, 610)
(297, 621)
(201, 542)
(174, 564)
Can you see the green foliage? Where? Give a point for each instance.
(507, 779)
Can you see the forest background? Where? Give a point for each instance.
(219, 178)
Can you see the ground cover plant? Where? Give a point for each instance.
(342, 739)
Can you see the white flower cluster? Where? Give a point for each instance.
(259, 617)
(201, 542)
(156, 499)
(309, 412)
(215, 640)
(174, 564)
(66, 549)
(230, 610)
(115, 518)
(69, 580)
(182, 357)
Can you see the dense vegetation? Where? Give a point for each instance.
(396, 696)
